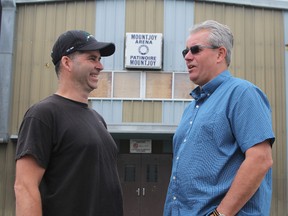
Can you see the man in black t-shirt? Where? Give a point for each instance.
(66, 161)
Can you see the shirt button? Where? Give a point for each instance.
(174, 198)
(197, 106)
(177, 158)
(174, 177)
(184, 140)
(190, 122)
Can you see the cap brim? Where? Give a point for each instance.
(105, 49)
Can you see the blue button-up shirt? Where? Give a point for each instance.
(228, 116)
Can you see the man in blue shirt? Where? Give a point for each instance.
(222, 146)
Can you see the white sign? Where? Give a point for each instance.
(143, 50)
(140, 146)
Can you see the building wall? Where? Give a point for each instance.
(258, 56)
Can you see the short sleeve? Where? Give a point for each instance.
(251, 118)
(35, 138)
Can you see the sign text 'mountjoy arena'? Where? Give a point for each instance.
(143, 60)
(143, 39)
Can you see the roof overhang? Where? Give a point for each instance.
(142, 128)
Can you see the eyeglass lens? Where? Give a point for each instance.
(194, 50)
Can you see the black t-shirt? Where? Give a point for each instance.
(72, 143)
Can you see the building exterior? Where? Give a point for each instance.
(141, 104)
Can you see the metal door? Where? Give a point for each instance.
(144, 179)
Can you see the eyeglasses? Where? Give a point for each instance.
(196, 49)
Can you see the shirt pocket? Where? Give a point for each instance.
(206, 128)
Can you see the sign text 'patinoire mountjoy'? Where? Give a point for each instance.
(143, 50)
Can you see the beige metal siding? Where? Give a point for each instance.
(142, 111)
(144, 16)
(38, 26)
(258, 56)
(7, 172)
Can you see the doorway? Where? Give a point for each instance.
(144, 179)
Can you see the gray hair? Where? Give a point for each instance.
(220, 35)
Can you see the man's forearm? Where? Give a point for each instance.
(245, 184)
(28, 203)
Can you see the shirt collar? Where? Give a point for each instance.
(206, 90)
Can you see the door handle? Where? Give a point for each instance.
(143, 191)
(138, 191)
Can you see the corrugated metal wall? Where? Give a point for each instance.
(144, 16)
(110, 26)
(142, 111)
(7, 170)
(178, 17)
(258, 56)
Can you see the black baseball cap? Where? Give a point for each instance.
(78, 40)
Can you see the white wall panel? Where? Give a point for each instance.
(178, 18)
(110, 27)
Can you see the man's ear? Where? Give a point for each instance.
(222, 52)
(66, 62)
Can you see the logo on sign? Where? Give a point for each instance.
(143, 49)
